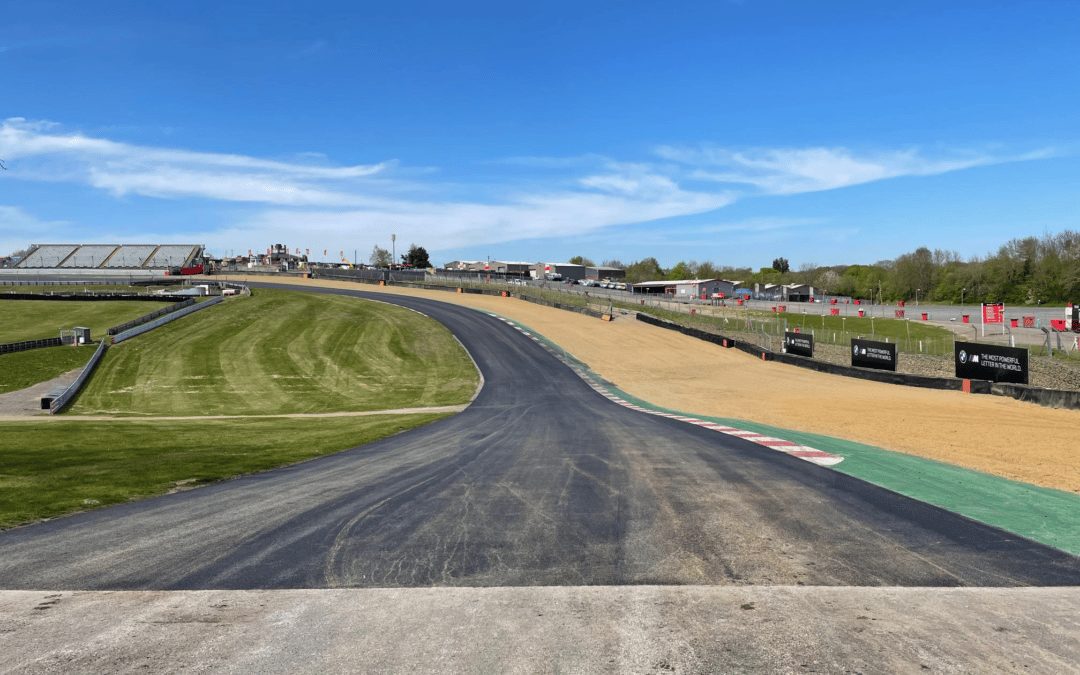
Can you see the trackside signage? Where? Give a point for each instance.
(993, 312)
(873, 354)
(799, 344)
(977, 361)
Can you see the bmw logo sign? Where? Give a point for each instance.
(855, 349)
(963, 356)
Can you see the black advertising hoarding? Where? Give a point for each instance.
(800, 344)
(873, 354)
(977, 361)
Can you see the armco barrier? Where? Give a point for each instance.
(146, 318)
(977, 386)
(11, 347)
(161, 321)
(90, 297)
(58, 403)
(1051, 398)
(558, 305)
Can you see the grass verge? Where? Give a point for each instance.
(283, 352)
(34, 319)
(53, 468)
(24, 369)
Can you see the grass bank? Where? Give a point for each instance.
(283, 352)
(33, 319)
(58, 467)
(24, 369)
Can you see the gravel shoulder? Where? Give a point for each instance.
(27, 402)
(998, 435)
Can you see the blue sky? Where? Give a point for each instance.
(725, 131)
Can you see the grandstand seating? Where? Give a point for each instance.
(92, 255)
(132, 255)
(172, 256)
(48, 255)
(112, 256)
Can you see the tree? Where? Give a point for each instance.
(781, 265)
(581, 260)
(647, 269)
(679, 272)
(417, 257)
(380, 257)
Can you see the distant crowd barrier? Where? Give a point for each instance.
(146, 318)
(90, 297)
(587, 311)
(11, 347)
(393, 276)
(977, 387)
(161, 321)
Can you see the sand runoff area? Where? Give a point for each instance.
(994, 434)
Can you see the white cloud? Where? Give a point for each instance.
(123, 169)
(782, 171)
(306, 200)
(445, 225)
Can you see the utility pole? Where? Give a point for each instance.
(393, 250)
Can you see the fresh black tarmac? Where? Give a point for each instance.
(540, 482)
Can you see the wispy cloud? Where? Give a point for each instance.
(123, 168)
(781, 171)
(306, 196)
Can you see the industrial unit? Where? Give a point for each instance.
(563, 270)
(599, 273)
(685, 289)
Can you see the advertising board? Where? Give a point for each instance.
(799, 344)
(978, 361)
(873, 354)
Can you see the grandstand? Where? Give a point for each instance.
(173, 256)
(93, 255)
(114, 256)
(132, 255)
(47, 255)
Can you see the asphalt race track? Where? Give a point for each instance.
(540, 482)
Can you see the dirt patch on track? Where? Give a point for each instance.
(997, 435)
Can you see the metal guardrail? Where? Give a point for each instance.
(161, 321)
(92, 296)
(146, 318)
(58, 403)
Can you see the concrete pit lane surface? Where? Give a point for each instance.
(540, 482)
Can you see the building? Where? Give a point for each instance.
(785, 292)
(799, 293)
(563, 269)
(507, 267)
(686, 289)
(464, 265)
(599, 273)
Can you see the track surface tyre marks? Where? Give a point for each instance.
(540, 482)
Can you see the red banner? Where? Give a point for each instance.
(993, 312)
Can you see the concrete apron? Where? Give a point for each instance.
(600, 628)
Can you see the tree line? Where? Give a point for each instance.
(1028, 270)
(416, 257)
